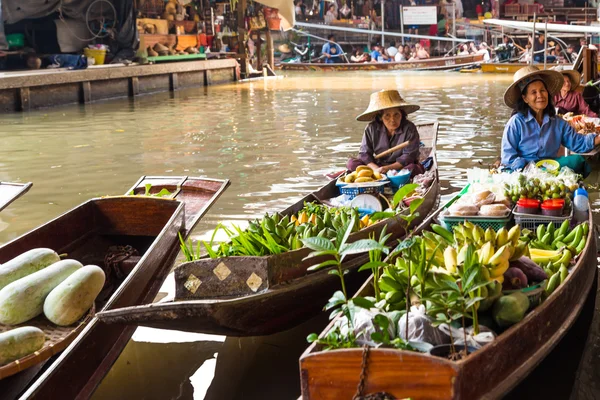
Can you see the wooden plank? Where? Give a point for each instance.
(86, 87)
(174, 80)
(134, 86)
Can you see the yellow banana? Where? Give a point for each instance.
(462, 254)
(490, 236)
(514, 234)
(450, 259)
(487, 251)
(313, 219)
(501, 237)
(501, 255)
(499, 269)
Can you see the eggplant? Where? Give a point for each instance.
(514, 278)
(533, 271)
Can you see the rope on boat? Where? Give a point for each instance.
(114, 257)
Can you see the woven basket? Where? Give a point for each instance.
(57, 339)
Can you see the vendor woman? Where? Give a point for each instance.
(388, 127)
(569, 100)
(534, 132)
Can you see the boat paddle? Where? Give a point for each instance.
(393, 149)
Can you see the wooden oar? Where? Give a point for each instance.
(393, 149)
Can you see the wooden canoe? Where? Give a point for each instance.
(150, 225)
(9, 192)
(285, 297)
(489, 373)
(430, 64)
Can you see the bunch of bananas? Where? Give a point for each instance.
(318, 220)
(494, 249)
(548, 238)
(363, 174)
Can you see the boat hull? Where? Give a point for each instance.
(441, 63)
(488, 373)
(152, 226)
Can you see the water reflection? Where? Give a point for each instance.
(274, 140)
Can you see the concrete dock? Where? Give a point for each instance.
(30, 90)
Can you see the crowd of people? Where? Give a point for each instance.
(393, 53)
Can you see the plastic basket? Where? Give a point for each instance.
(484, 222)
(353, 191)
(97, 54)
(532, 221)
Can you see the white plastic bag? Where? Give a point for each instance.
(363, 326)
(420, 328)
(485, 335)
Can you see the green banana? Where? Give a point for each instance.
(569, 238)
(578, 236)
(586, 229)
(540, 232)
(388, 284)
(550, 228)
(547, 238)
(564, 228)
(581, 245)
(553, 283)
(394, 296)
(564, 272)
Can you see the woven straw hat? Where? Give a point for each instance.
(384, 100)
(574, 76)
(526, 75)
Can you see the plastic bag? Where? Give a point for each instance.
(485, 335)
(420, 328)
(345, 10)
(483, 197)
(363, 326)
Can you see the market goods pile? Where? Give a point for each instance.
(483, 203)
(275, 234)
(363, 174)
(461, 286)
(541, 189)
(38, 282)
(581, 124)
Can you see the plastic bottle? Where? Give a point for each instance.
(581, 205)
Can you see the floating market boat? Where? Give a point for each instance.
(248, 296)
(9, 192)
(490, 372)
(135, 238)
(430, 64)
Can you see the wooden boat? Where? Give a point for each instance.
(148, 224)
(430, 64)
(9, 192)
(489, 373)
(284, 296)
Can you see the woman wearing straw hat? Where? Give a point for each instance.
(388, 127)
(534, 132)
(567, 99)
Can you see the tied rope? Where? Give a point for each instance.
(363, 379)
(113, 259)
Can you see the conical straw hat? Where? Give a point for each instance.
(574, 76)
(526, 75)
(384, 100)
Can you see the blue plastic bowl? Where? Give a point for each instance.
(401, 179)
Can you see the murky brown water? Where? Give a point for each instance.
(274, 140)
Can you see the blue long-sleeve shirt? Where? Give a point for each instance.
(524, 140)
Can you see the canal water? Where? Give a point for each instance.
(274, 140)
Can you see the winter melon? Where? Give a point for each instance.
(23, 300)
(20, 342)
(70, 300)
(25, 264)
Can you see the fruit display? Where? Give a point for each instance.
(275, 234)
(581, 123)
(510, 309)
(362, 174)
(539, 189)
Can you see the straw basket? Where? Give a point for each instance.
(97, 54)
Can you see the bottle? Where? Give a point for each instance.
(581, 205)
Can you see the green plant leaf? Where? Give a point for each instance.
(415, 204)
(343, 233)
(334, 272)
(372, 265)
(363, 303)
(378, 216)
(377, 337)
(360, 246)
(402, 192)
(382, 321)
(318, 244)
(313, 337)
(322, 265)
(322, 253)
(147, 187)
